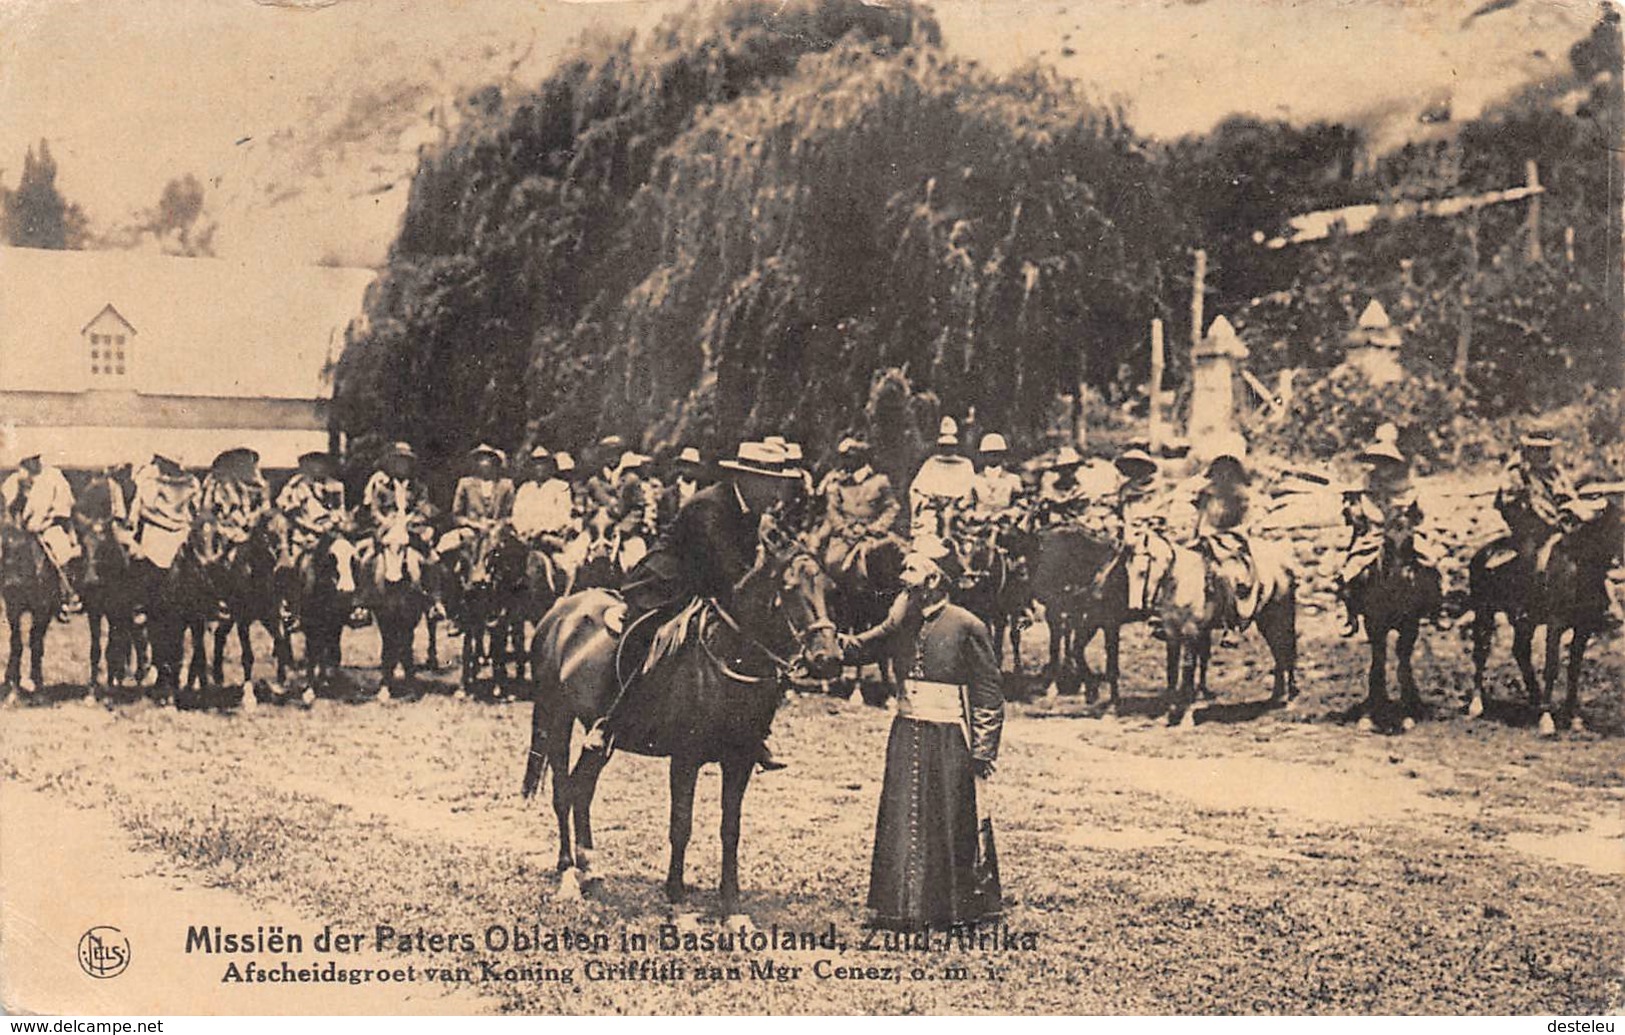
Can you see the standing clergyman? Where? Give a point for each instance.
(933, 861)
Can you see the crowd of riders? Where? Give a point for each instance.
(621, 502)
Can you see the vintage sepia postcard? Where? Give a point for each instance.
(789, 507)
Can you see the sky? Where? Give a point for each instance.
(303, 118)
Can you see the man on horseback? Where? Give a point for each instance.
(161, 515)
(312, 504)
(944, 486)
(707, 553)
(396, 507)
(544, 516)
(1223, 505)
(38, 500)
(1386, 507)
(996, 491)
(237, 497)
(1535, 499)
(1139, 511)
(859, 506)
(617, 491)
(481, 503)
(1062, 499)
(687, 472)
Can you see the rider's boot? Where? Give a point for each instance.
(1351, 616)
(71, 604)
(597, 738)
(767, 763)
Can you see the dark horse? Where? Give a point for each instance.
(180, 600)
(111, 592)
(997, 587)
(320, 591)
(28, 586)
(1561, 584)
(1190, 606)
(1081, 578)
(398, 604)
(712, 699)
(863, 587)
(490, 579)
(1394, 595)
(244, 576)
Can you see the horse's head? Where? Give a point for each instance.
(104, 556)
(339, 564)
(1187, 597)
(804, 588)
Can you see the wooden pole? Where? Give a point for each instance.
(1156, 385)
(1464, 336)
(1532, 224)
(1198, 288)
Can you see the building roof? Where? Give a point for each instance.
(204, 327)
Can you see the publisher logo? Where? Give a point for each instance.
(104, 952)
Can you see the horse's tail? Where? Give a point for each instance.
(547, 693)
(536, 762)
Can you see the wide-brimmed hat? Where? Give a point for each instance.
(1537, 440)
(994, 443)
(1066, 456)
(631, 460)
(491, 451)
(399, 449)
(564, 462)
(165, 458)
(948, 432)
(1228, 462)
(541, 453)
(931, 550)
(318, 458)
(850, 445)
(1136, 463)
(690, 455)
(761, 458)
(1381, 451)
(240, 458)
(792, 453)
(612, 442)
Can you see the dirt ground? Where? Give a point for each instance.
(1269, 861)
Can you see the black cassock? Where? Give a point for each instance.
(932, 865)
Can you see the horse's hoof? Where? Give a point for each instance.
(1365, 725)
(1108, 717)
(1187, 721)
(1408, 724)
(383, 695)
(1577, 725)
(569, 887)
(89, 700)
(26, 685)
(250, 702)
(1547, 727)
(1475, 707)
(1052, 691)
(307, 698)
(459, 694)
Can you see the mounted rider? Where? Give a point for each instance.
(39, 500)
(688, 472)
(395, 508)
(859, 506)
(543, 514)
(618, 493)
(481, 503)
(312, 507)
(1223, 503)
(1385, 506)
(102, 499)
(715, 543)
(235, 494)
(1138, 505)
(996, 492)
(1536, 499)
(944, 487)
(163, 509)
(1062, 498)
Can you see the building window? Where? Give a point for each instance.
(109, 340)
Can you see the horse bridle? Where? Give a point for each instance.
(801, 636)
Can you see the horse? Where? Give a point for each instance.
(28, 586)
(1081, 578)
(111, 593)
(490, 571)
(866, 579)
(1560, 584)
(600, 566)
(244, 576)
(1394, 595)
(1190, 605)
(181, 599)
(320, 588)
(540, 584)
(710, 699)
(399, 603)
(997, 587)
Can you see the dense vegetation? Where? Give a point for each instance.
(780, 216)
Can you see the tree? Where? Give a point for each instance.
(35, 215)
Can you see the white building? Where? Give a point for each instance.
(108, 357)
